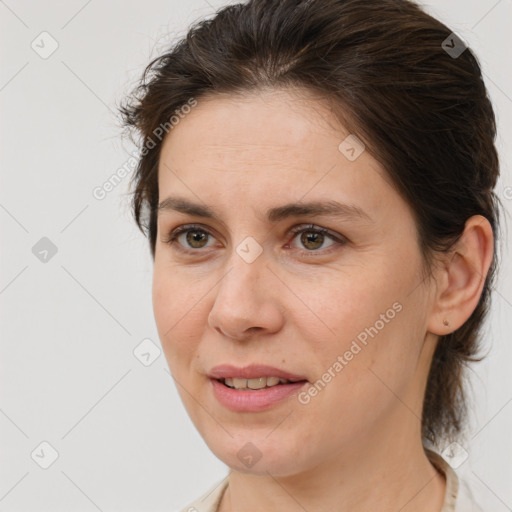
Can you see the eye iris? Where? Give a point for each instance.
(196, 236)
(308, 236)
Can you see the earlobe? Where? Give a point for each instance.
(464, 272)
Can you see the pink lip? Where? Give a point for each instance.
(253, 371)
(242, 400)
(253, 400)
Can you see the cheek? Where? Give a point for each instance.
(333, 312)
(175, 317)
(369, 318)
(173, 297)
(163, 302)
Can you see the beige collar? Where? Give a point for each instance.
(452, 481)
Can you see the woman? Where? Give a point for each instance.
(316, 182)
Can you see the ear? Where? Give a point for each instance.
(461, 277)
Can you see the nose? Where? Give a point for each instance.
(248, 300)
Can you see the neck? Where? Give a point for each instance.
(378, 474)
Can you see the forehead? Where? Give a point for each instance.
(266, 144)
(263, 124)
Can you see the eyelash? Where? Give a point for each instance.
(340, 241)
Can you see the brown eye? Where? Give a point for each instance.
(192, 238)
(313, 238)
(196, 238)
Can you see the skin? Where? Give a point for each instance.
(299, 311)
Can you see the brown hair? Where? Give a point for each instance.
(422, 112)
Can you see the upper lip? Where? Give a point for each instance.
(253, 371)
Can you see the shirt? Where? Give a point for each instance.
(457, 498)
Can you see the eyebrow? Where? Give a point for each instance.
(276, 214)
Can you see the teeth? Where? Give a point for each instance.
(258, 383)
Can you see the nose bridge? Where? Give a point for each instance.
(242, 301)
(246, 270)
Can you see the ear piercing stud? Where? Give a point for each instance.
(446, 323)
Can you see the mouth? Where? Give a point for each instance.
(256, 383)
(253, 388)
(255, 376)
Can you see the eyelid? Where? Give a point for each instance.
(314, 227)
(339, 239)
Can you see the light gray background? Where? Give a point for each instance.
(69, 326)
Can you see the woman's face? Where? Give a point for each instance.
(346, 309)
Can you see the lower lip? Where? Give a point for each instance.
(253, 400)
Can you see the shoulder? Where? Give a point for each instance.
(210, 500)
(458, 496)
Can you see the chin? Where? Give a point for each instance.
(258, 455)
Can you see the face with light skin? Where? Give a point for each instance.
(304, 300)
